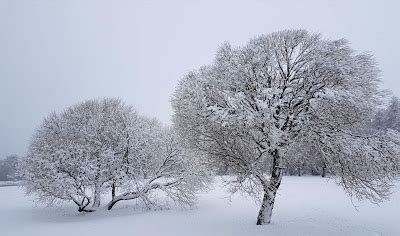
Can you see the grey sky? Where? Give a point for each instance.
(57, 53)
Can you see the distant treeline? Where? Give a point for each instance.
(8, 168)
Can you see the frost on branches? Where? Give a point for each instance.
(255, 102)
(104, 146)
(157, 164)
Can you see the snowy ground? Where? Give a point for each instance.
(305, 206)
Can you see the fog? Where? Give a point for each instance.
(57, 53)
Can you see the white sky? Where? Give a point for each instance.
(57, 53)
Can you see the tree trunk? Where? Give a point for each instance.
(97, 186)
(113, 192)
(298, 171)
(270, 190)
(323, 171)
(83, 204)
(82, 209)
(96, 198)
(225, 169)
(112, 203)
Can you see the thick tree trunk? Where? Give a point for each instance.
(270, 190)
(265, 213)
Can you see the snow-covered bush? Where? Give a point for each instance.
(103, 146)
(255, 101)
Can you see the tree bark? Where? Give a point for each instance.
(96, 198)
(112, 203)
(113, 192)
(97, 186)
(323, 171)
(270, 190)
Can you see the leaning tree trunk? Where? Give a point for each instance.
(112, 203)
(270, 190)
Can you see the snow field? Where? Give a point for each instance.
(304, 206)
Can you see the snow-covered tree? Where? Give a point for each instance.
(103, 146)
(158, 165)
(71, 153)
(255, 101)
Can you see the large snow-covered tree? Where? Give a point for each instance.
(103, 146)
(255, 101)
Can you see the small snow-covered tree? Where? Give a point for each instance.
(254, 101)
(102, 146)
(52, 172)
(71, 154)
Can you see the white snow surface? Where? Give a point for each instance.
(304, 206)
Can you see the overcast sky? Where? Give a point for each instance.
(57, 53)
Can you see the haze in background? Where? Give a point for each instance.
(57, 53)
